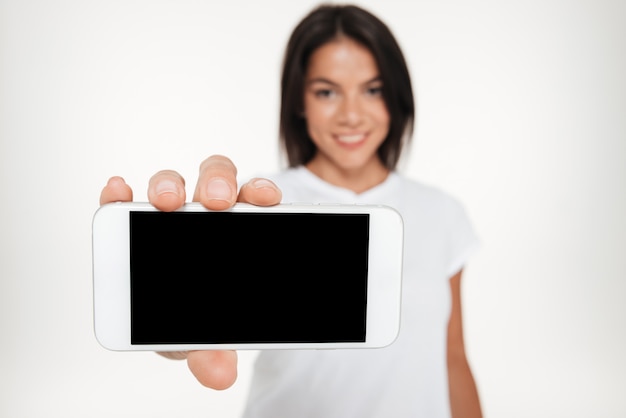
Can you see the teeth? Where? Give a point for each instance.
(350, 139)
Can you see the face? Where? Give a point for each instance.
(346, 116)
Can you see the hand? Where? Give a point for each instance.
(217, 190)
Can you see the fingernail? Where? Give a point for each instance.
(115, 179)
(261, 183)
(166, 186)
(218, 189)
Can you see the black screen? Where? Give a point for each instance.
(225, 277)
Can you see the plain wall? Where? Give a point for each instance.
(521, 115)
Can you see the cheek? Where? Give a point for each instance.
(318, 119)
(381, 115)
(319, 112)
(315, 130)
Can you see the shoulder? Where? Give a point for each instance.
(437, 223)
(427, 197)
(431, 210)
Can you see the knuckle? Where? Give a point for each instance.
(219, 164)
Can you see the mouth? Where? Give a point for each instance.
(350, 139)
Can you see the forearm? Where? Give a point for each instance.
(464, 400)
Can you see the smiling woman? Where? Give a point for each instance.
(347, 111)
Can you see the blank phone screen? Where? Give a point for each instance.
(237, 278)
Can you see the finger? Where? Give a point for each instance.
(260, 192)
(166, 190)
(214, 369)
(116, 190)
(217, 183)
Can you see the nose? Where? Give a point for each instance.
(350, 111)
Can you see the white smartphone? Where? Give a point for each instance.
(280, 277)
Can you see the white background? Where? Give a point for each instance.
(521, 115)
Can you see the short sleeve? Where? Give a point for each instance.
(463, 241)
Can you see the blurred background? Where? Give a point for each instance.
(521, 115)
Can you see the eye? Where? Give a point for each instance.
(375, 91)
(324, 93)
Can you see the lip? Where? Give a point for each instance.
(351, 139)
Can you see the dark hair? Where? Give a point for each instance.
(320, 26)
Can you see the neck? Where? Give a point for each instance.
(358, 180)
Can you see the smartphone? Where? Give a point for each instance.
(282, 277)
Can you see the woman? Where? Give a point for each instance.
(346, 113)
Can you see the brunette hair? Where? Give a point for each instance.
(321, 25)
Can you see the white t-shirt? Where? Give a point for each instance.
(407, 378)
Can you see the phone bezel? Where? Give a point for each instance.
(111, 276)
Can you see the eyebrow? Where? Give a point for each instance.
(327, 81)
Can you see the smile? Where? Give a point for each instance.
(350, 139)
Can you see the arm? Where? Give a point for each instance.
(464, 401)
(216, 189)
